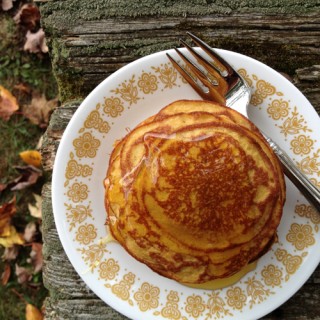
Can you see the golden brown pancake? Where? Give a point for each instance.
(194, 192)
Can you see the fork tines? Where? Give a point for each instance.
(214, 76)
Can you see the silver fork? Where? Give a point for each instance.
(218, 81)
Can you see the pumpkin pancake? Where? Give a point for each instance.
(194, 195)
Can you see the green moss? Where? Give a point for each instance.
(72, 11)
(69, 80)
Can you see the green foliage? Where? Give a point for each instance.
(18, 66)
(17, 135)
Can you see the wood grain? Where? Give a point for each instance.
(86, 52)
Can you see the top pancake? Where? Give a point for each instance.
(194, 192)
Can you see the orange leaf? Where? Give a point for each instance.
(32, 157)
(6, 274)
(8, 104)
(33, 313)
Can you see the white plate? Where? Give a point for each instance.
(129, 96)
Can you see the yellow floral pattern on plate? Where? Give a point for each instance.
(148, 297)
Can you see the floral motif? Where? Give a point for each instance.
(113, 107)
(93, 254)
(236, 298)
(86, 145)
(309, 212)
(74, 169)
(148, 83)
(171, 310)
(128, 91)
(294, 124)
(217, 307)
(302, 144)
(245, 76)
(195, 306)
(109, 269)
(167, 75)
(271, 275)
(147, 297)
(291, 263)
(315, 182)
(256, 291)
(77, 214)
(263, 89)
(86, 234)
(78, 192)
(310, 164)
(301, 236)
(96, 122)
(121, 289)
(278, 109)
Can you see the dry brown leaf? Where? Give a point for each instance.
(28, 16)
(6, 274)
(8, 104)
(30, 231)
(33, 313)
(39, 110)
(29, 176)
(11, 253)
(35, 210)
(23, 274)
(36, 257)
(7, 4)
(7, 210)
(32, 157)
(35, 42)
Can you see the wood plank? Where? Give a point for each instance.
(91, 49)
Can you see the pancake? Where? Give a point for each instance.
(194, 192)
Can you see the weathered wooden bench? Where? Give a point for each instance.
(89, 40)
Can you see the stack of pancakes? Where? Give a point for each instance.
(194, 192)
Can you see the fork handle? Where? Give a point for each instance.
(306, 187)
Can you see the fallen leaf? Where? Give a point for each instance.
(22, 91)
(35, 42)
(33, 313)
(22, 87)
(6, 274)
(32, 157)
(35, 210)
(30, 231)
(39, 110)
(29, 176)
(39, 144)
(36, 257)
(11, 253)
(8, 104)
(11, 238)
(7, 4)
(23, 274)
(7, 210)
(3, 186)
(28, 16)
